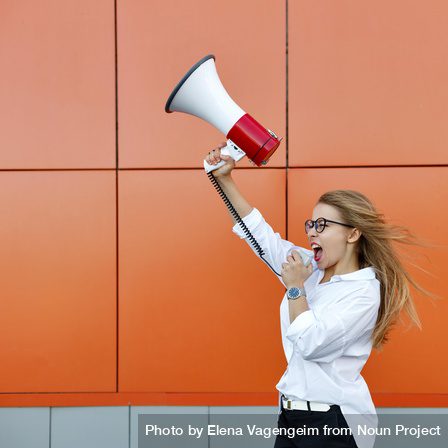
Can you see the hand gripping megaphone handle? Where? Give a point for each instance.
(231, 150)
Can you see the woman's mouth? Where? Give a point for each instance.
(317, 252)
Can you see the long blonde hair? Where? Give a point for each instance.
(375, 249)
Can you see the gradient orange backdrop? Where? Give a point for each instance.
(122, 282)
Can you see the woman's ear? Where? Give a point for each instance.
(354, 235)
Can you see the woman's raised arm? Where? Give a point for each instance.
(224, 177)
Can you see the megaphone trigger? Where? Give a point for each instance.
(232, 150)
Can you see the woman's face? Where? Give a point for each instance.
(333, 240)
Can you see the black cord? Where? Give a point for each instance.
(238, 218)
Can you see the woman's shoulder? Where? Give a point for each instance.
(370, 290)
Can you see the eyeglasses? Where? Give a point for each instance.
(319, 224)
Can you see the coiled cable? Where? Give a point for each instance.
(239, 220)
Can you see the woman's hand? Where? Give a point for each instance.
(215, 156)
(294, 272)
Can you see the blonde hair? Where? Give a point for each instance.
(375, 249)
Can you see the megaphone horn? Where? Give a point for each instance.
(201, 93)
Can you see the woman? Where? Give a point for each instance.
(334, 311)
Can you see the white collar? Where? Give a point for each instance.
(361, 274)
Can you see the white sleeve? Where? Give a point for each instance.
(322, 336)
(275, 248)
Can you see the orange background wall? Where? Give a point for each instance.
(121, 281)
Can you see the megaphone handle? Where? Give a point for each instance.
(231, 150)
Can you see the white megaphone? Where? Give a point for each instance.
(201, 93)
